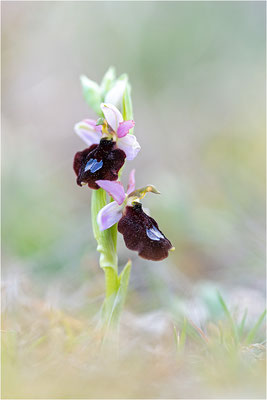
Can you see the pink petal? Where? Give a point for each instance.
(88, 131)
(109, 215)
(129, 145)
(131, 183)
(114, 96)
(112, 115)
(114, 189)
(124, 128)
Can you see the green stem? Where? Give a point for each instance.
(111, 278)
(107, 243)
(116, 285)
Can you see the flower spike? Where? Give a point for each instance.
(110, 141)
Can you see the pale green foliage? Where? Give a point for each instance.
(108, 81)
(114, 303)
(197, 362)
(95, 94)
(92, 93)
(251, 334)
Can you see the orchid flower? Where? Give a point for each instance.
(140, 232)
(110, 143)
(114, 127)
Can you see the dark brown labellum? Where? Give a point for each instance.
(141, 233)
(98, 162)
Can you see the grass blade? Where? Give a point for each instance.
(242, 324)
(230, 319)
(253, 331)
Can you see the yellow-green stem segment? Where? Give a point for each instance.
(106, 243)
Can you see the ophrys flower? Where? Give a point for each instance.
(140, 232)
(110, 143)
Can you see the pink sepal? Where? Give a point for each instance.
(88, 131)
(109, 215)
(129, 145)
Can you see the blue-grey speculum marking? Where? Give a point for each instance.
(93, 165)
(154, 234)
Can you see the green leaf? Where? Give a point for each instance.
(181, 338)
(242, 324)
(230, 319)
(253, 331)
(114, 303)
(124, 278)
(92, 93)
(107, 81)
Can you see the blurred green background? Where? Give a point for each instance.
(197, 71)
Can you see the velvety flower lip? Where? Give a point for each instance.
(98, 162)
(140, 232)
(91, 133)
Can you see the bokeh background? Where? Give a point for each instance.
(197, 71)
